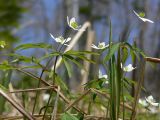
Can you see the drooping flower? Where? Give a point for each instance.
(151, 101)
(61, 40)
(101, 45)
(2, 44)
(142, 18)
(73, 24)
(127, 68)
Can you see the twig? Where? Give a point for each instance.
(54, 89)
(151, 59)
(108, 97)
(73, 103)
(37, 116)
(86, 64)
(138, 89)
(55, 105)
(31, 90)
(16, 105)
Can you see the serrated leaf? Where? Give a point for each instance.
(32, 45)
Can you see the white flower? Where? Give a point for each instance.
(142, 18)
(100, 76)
(143, 102)
(101, 45)
(2, 44)
(46, 97)
(127, 68)
(73, 24)
(151, 101)
(61, 40)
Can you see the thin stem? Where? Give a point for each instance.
(37, 93)
(39, 82)
(54, 71)
(54, 113)
(50, 93)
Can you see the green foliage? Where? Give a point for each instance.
(11, 12)
(106, 92)
(68, 116)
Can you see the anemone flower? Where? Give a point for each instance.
(61, 40)
(73, 24)
(101, 45)
(127, 68)
(142, 18)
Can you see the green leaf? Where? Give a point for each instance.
(72, 52)
(68, 116)
(112, 50)
(68, 66)
(124, 54)
(49, 55)
(18, 58)
(6, 67)
(59, 81)
(33, 45)
(74, 61)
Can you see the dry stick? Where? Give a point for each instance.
(108, 97)
(73, 42)
(35, 77)
(37, 116)
(54, 89)
(31, 90)
(86, 64)
(55, 105)
(73, 103)
(137, 92)
(16, 105)
(151, 59)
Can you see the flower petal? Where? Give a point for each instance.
(142, 18)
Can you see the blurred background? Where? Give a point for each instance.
(31, 21)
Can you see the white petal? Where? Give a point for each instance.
(143, 19)
(136, 13)
(143, 102)
(67, 40)
(72, 20)
(2, 46)
(58, 40)
(95, 47)
(68, 20)
(52, 36)
(105, 76)
(151, 100)
(128, 68)
(146, 20)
